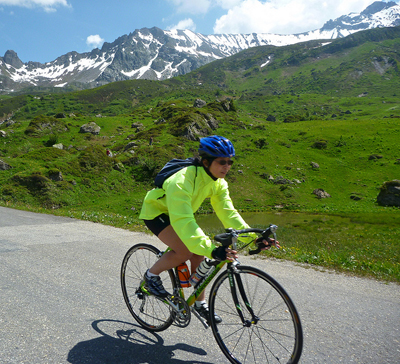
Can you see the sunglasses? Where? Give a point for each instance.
(222, 162)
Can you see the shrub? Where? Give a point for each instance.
(95, 160)
(260, 143)
(45, 125)
(34, 182)
(320, 144)
(293, 119)
(53, 139)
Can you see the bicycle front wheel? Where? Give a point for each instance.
(148, 310)
(270, 331)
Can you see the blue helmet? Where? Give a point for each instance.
(216, 146)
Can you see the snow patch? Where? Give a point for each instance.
(264, 64)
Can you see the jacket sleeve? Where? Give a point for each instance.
(226, 212)
(179, 203)
(223, 207)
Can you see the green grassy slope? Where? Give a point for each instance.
(336, 105)
(311, 91)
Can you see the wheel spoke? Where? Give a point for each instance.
(148, 311)
(276, 337)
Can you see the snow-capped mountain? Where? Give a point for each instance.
(159, 54)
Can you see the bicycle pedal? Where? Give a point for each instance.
(202, 319)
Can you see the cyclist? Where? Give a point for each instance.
(169, 213)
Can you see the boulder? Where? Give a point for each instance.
(282, 181)
(199, 103)
(196, 125)
(211, 121)
(271, 118)
(195, 130)
(314, 165)
(355, 197)
(4, 166)
(119, 167)
(58, 146)
(91, 127)
(226, 105)
(137, 126)
(130, 145)
(160, 121)
(320, 193)
(56, 176)
(389, 194)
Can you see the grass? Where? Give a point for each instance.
(362, 244)
(354, 246)
(93, 189)
(311, 93)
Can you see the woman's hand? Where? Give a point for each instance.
(268, 243)
(231, 255)
(221, 253)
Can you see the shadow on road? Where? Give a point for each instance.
(125, 343)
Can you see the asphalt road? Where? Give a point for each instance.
(61, 302)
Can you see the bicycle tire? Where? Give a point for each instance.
(276, 338)
(148, 310)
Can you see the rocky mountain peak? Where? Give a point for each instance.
(11, 58)
(376, 7)
(156, 54)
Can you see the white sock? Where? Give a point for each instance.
(149, 274)
(200, 303)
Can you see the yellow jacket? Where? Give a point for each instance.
(181, 196)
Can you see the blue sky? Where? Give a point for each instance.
(42, 30)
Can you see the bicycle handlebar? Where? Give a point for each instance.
(231, 235)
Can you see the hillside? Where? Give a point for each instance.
(363, 62)
(284, 108)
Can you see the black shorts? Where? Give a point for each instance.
(158, 224)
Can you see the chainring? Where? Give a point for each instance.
(180, 311)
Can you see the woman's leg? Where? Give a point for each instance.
(179, 253)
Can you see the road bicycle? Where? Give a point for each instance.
(260, 323)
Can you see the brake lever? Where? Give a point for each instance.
(260, 245)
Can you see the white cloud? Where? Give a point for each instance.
(47, 5)
(282, 16)
(192, 7)
(94, 41)
(184, 24)
(227, 4)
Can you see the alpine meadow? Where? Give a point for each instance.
(315, 125)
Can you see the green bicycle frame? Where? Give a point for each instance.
(196, 293)
(234, 280)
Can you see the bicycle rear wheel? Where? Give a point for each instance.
(148, 310)
(272, 335)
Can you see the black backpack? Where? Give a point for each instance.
(173, 166)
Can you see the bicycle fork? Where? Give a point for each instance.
(236, 280)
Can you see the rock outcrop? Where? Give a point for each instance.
(389, 194)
